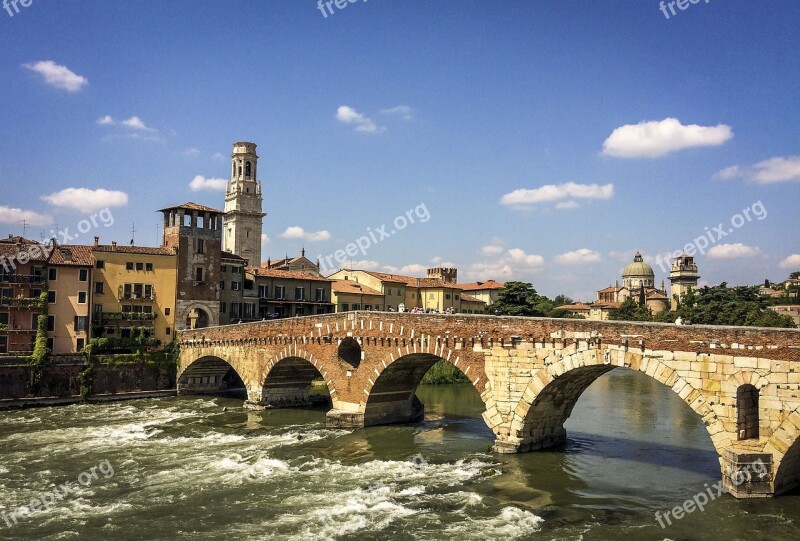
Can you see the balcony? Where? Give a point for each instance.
(136, 297)
(21, 279)
(108, 317)
(25, 303)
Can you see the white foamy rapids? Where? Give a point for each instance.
(511, 523)
(373, 509)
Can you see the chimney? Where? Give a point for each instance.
(96, 242)
(113, 246)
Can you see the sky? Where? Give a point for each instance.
(525, 140)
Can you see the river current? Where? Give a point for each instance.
(203, 468)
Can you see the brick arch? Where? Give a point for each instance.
(278, 361)
(557, 387)
(786, 465)
(204, 368)
(395, 381)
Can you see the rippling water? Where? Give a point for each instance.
(185, 468)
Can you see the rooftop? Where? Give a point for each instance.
(291, 275)
(193, 206)
(481, 286)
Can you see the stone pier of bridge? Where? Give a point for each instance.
(744, 383)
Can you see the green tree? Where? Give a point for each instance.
(521, 299)
(40, 350)
(630, 310)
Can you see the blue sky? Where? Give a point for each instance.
(547, 141)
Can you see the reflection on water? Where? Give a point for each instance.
(186, 468)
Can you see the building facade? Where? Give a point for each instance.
(23, 278)
(289, 293)
(69, 298)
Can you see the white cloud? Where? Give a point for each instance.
(569, 191)
(264, 238)
(10, 215)
(403, 111)
(791, 262)
(348, 115)
(568, 205)
(512, 264)
(133, 123)
(653, 139)
(773, 170)
(732, 251)
(582, 256)
(86, 200)
(201, 183)
(191, 152)
(58, 76)
(218, 156)
(495, 247)
(297, 232)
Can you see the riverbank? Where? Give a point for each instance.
(68, 379)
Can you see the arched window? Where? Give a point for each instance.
(247, 169)
(747, 412)
(240, 171)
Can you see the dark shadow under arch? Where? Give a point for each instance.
(211, 376)
(294, 382)
(393, 398)
(787, 476)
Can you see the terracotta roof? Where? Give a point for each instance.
(470, 298)
(410, 281)
(294, 275)
(12, 247)
(657, 295)
(610, 289)
(229, 255)
(577, 306)
(193, 206)
(16, 239)
(72, 255)
(481, 286)
(349, 286)
(606, 305)
(123, 249)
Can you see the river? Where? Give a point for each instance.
(203, 468)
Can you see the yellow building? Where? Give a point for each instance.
(349, 295)
(134, 289)
(484, 291)
(69, 298)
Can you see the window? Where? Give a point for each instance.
(98, 309)
(447, 296)
(249, 285)
(99, 288)
(263, 292)
(169, 331)
(50, 344)
(201, 246)
(320, 296)
(224, 269)
(223, 307)
(51, 323)
(345, 307)
(100, 264)
(81, 297)
(138, 291)
(83, 275)
(280, 292)
(236, 270)
(388, 292)
(249, 310)
(148, 292)
(221, 285)
(199, 275)
(52, 274)
(236, 286)
(34, 293)
(235, 309)
(129, 265)
(299, 293)
(80, 343)
(148, 267)
(51, 297)
(166, 311)
(139, 266)
(456, 297)
(81, 323)
(3, 318)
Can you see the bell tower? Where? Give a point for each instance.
(682, 277)
(243, 200)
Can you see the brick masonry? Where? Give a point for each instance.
(530, 372)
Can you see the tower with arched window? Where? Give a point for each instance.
(243, 203)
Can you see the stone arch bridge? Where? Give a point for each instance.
(743, 382)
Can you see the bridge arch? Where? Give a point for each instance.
(786, 465)
(210, 375)
(288, 380)
(391, 393)
(551, 395)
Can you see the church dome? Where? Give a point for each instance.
(638, 269)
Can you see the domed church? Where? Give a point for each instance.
(638, 279)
